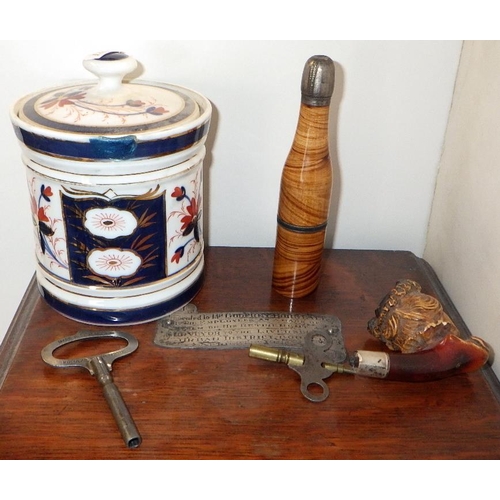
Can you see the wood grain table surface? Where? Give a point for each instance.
(222, 404)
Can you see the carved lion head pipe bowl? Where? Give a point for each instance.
(115, 180)
(415, 324)
(408, 320)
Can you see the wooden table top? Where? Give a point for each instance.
(222, 404)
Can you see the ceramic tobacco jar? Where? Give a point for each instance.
(115, 179)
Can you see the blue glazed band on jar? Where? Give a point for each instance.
(111, 148)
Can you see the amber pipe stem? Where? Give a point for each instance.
(451, 356)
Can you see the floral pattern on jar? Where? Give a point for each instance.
(109, 222)
(48, 226)
(135, 224)
(114, 262)
(186, 218)
(78, 106)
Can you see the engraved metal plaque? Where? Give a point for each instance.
(189, 329)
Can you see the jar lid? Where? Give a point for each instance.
(109, 119)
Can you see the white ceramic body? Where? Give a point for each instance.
(96, 234)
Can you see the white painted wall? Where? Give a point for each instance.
(464, 233)
(388, 121)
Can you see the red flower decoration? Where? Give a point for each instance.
(153, 110)
(177, 255)
(61, 99)
(179, 193)
(42, 215)
(187, 220)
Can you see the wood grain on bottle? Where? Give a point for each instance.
(304, 202)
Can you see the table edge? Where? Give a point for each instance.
(17, 328)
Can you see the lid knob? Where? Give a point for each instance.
(110, 68)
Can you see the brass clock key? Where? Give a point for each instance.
(100, 367)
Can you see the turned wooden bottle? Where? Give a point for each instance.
(306, 187)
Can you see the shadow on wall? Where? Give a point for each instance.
(207, 163)
(338, 92)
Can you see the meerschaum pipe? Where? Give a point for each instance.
(423, 343)
(430, 344)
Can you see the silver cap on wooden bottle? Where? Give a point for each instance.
(318, 80)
